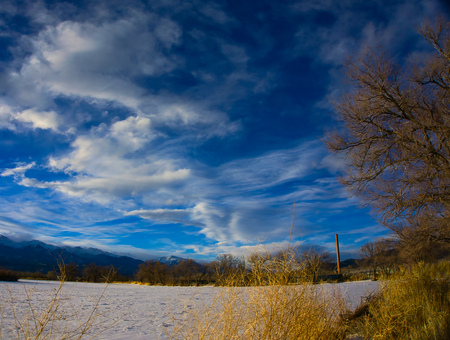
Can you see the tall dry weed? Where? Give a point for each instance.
(262, 304)
(414, 305)
(52, 317)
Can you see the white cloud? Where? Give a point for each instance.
(103, 190)
(132, 133)
(5, 117)
(103, 164)
(163, 215)
(105, 150)
(42, 120)
(238, 202)
(14, 230)
(274, 167)
(102, 63)
(46, 120)
(81, 59)
(19, 170)
(215, 13)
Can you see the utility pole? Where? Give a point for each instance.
(337, 255)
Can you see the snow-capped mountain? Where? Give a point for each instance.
(39, 256)
(170, 260)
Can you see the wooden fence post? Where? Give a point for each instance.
(337, 254)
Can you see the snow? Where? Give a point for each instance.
(126, 311)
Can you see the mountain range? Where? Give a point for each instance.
(32, 256)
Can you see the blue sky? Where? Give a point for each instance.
(185, 127)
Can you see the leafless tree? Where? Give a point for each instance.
(68, 272)
(186, 270)
(380, 255)
(229, 268)
(313, 262)
(152, 272)
(418, 239)
(395, 135)
(368, 254)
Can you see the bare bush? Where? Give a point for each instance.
(266, 306)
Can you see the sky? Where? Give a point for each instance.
(188, 128)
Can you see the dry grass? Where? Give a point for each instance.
(414, 305)
(55, 317)
(271, 312)
(267, 308)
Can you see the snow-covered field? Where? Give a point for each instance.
(124, 311)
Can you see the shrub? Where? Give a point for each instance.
(8, 275)
(268, 307)
(413, 305)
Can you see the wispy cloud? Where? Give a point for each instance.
(197, 122)
(19, 170)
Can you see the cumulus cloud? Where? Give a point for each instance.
(83, 59)
(99, 63)
(41, 120)
(32, 118)
(109, 163)
(103, 164)
(5, 118)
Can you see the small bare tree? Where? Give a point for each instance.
(395, 136)
(313, 262)
(380, 254)
(368, 254)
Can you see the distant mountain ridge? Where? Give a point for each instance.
(170, 260)
(76, 250)
(39, 256)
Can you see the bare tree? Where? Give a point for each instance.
(418, 237)
(395, 136)
(313, 262)
(229, 269)
(368, 254)
(186, 270)
(92, 273)
(152, 272)
(68, 272)
(380, 254)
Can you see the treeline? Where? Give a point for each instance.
(225, 270)
(380, 258)
(384, 256)
(70, 272)
(228, 269)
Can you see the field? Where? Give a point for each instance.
(121, 311)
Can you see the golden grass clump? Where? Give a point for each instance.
(270, 312)
(414, 305)
(267, 307)
(270, 300)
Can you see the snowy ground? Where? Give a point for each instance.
(124, 311)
